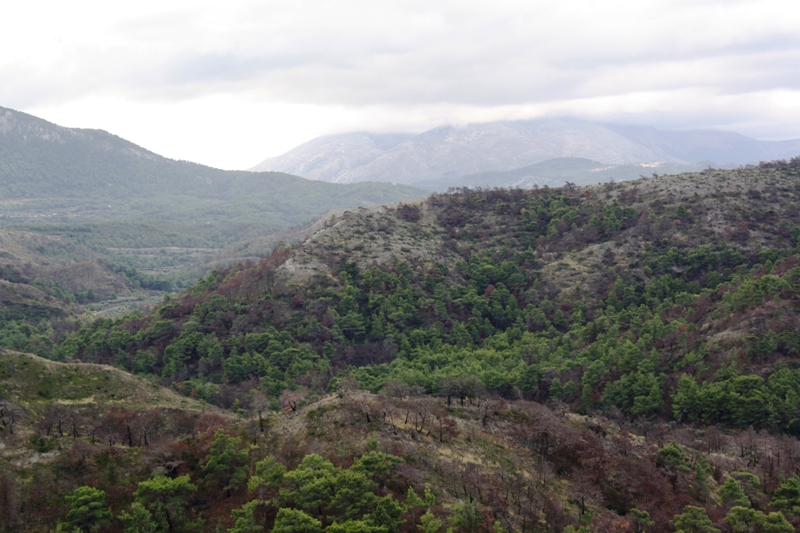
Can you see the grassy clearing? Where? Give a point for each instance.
(35, 383)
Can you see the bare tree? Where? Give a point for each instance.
(259, 402)
(10, 515)
(290, 398)
(10, 415)
(147, 424)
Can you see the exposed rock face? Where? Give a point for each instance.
(369, 237)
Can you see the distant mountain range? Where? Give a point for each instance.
(443, 156)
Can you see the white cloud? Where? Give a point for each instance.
(229, 84)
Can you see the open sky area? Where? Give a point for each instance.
(230, 83)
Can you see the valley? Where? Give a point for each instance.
(91, 221)
(394, 267)
(188, 349)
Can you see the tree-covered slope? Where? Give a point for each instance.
(130, 206)
(636, 342)
(40, 160)
(355, 461)
(602, 297)
(86, 216)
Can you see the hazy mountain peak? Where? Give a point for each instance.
(451, 152)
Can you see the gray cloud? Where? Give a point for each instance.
(676, 63)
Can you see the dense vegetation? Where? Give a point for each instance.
(170, 235)
(657, 319)
(46, 167)
(97, 193)
(86, 216)
(624, 336)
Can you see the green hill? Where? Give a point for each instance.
(41, 163)
(640, 281)
(86, 216)
(618, 357)
(36, 384)
(94, 189)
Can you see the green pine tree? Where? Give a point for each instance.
(87, 512)
(693, 520)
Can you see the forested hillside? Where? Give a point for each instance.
(616, 358)
(89, 218)
(151, 215)
(602, 297)
(42, 163)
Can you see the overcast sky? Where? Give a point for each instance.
(231, 83)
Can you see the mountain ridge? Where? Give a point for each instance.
(75, 162)
(450, 152)
(94, 189)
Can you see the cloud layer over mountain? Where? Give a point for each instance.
(226, 79)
